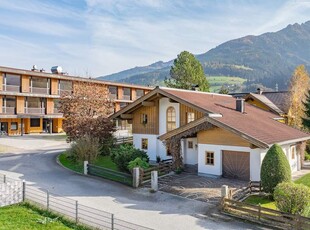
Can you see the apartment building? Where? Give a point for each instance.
(29, 99)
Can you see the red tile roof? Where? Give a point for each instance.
(255, 123)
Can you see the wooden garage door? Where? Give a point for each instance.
(236, 165)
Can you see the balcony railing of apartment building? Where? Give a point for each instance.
(35, 110)
(56, 111)
(11, 88)
(8, 110)
(64, 92)
(39, 90)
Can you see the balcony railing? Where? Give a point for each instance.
(56, 111)
(11, 88)
(39, 90)
(126, 97)
(63, 92)
(112, 96)
(9, 110)
(35, 110)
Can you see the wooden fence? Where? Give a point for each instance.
(241, 194)
(163, 168)
(124, 178)
(263, 215)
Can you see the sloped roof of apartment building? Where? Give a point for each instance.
(256, 125)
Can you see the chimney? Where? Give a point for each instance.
(259, 91)
(240, 105)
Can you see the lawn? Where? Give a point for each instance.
(304, 180)
(26, 216)
(216, 82)
(103, 161)
(264, 201)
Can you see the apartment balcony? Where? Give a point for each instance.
(11, 88)
(38, 90)
(63, 92)
(9, 110)
(113, 96)
(56, 111)
(34, 110)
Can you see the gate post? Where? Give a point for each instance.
(136, 177)
(85, 167)
(154, 180)
(24, 190)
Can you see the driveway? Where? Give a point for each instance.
(192, 186)
(159, 211)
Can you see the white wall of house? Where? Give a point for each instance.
(152, 144)
(216, 169)
(164, 104)
(190, 155)
(287, 149)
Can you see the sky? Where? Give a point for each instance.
(92, 38)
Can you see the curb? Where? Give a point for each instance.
(60, 164)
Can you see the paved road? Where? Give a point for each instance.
(158, 211)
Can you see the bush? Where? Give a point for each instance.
(138, 162)
(85, 149)
(123, 154)
(292, 198)
(275, 169)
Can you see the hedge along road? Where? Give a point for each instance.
(155, 210)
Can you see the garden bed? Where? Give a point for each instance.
(25, 216)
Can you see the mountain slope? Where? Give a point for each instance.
(268, 59)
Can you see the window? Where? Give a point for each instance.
(35, 122)
(144, 118)
(12, 79)
(113, 92)
(14, 126)
(190, 144)
(139, 93)
(293, 152)
(190, 117)
(209, 158)
(123, 104)
(39, 82)
(144, 143)
(171, 119)
(126, 93)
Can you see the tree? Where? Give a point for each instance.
(275, 169)
(224, 90)
(299, 86)
(306, 118)
(86, 112)
(187, 72)
(292, 198)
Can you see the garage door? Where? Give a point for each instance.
(236, 165)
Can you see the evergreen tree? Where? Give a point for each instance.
(186, 72)
(306, 118)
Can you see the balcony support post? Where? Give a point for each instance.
(22, 127)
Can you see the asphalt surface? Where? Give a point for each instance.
(37, 165)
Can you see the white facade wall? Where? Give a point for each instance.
(216, 169)
(164, 104)
(152, 144)
(287, 149)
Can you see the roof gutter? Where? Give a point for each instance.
(292, 141)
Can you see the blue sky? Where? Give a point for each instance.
(99, 37)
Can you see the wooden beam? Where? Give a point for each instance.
(126, 116)
(148, 103)
(172, 101)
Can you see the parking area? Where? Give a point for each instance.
(192, 186)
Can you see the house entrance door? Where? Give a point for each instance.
(4, 128)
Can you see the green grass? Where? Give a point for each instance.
(304, 180)
(264, 201)
(26, 216)
(102, 161)
(216, 82)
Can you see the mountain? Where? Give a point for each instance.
(267, 60)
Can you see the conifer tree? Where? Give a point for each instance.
(306, 118)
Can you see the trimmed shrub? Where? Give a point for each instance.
(85, 149)
(275, 169)
(123, 154)
(307, 156)
(138, 162)
(292, 198)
